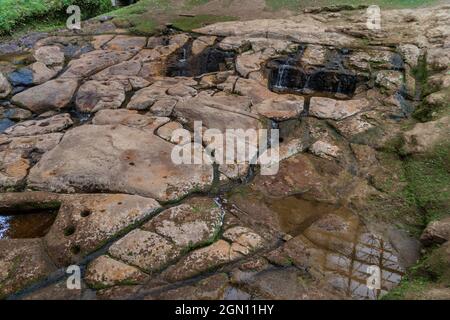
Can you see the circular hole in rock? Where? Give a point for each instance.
(75, 249)
(131, 163)
(70, 230)
(85, 213)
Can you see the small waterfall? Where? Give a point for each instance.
(283, 72)
(183, 56)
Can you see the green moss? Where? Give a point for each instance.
(407, 289)
(145, 27)
(16, 14)
(429, 181)
(190, 23)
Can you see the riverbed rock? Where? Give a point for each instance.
(199, 261)
(93, 62)
(41, 73)
(327, 108)
(146, 250)
(190, 224)
(306, 30)
(389, 80)
(18, 154)
(166, 131)
(282, 108)
(95, 95)
(52, 95)
(437, 232)
(5, 87)
(56, 123)
(105, 271)
(130, 118)
(86, 221)
(126, 43)
(324, 149)
(102, 157)
(424, 136)
(22, 263)
(49, 55)
(218, 112)
(201, 43)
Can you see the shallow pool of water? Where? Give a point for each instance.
(345, 248)
(26, 225)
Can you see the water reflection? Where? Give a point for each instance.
(343, 247)
(26, 225)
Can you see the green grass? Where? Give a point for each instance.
(15, 14)
(300, 4)
(429, 181)
(190, 23)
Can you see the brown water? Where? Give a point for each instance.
(26, 225)
(346, 249)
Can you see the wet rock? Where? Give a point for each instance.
(51, 95)
(424, 136)
(327, 108)
(49, 55)
(105, 271)
(282, 108)
(313, 177)
(5, 87)
(146, 250)
(22, 262)
(437, 232)
(190, 224)
(101, 157)
(199, 261)
(56, 123)
(281, 284)
(201, 43)
(5, 124)
(95, 95)
(87, 221)
(126, 43)
(93, 62)
(21, 77)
